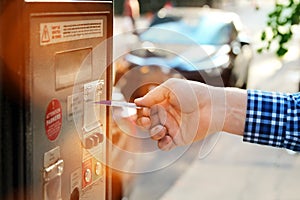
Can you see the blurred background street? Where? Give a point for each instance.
(232, 169)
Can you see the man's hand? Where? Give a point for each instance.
(179, 112)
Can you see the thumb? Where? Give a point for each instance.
(155, 96)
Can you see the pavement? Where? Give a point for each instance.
(223, 166)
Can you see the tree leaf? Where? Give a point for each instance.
(281, 51)
(263, 36)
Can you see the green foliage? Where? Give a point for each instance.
(279, 26)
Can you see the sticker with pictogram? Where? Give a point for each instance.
(53, 119)
(45, 35)
(65, 31)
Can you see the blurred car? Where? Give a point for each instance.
(201, 44)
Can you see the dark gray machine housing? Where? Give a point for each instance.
(55, 59)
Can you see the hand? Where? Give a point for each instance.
(179, 112)
(172, 113)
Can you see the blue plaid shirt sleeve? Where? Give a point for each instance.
(273, 119)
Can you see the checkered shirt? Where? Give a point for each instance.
(273, 119)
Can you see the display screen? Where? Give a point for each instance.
(73, 67)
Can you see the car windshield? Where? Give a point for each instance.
(207, 30)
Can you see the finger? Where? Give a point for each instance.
(158, 132)
(149, 117)
(155, 120)
(146, 112)
(154, 115)
(144, 122)
(154, 109)
(174, 112)
(166, 143)
(155, 96)
(171, 124)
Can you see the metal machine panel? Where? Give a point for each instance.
(65, 66)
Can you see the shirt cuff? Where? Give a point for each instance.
(266, 118)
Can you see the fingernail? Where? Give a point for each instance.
(157, 129)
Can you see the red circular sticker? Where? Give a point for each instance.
(53, 119)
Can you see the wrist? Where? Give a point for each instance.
(235, 110)
(212, 106)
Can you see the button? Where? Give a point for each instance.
(98, 168)
(87, 175)
(88, 143)
(100, 136)
(96, 139)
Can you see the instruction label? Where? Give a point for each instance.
(57, 32)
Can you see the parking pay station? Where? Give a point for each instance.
(55, 63)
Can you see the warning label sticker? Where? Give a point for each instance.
(53, 119)
(56, 32)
